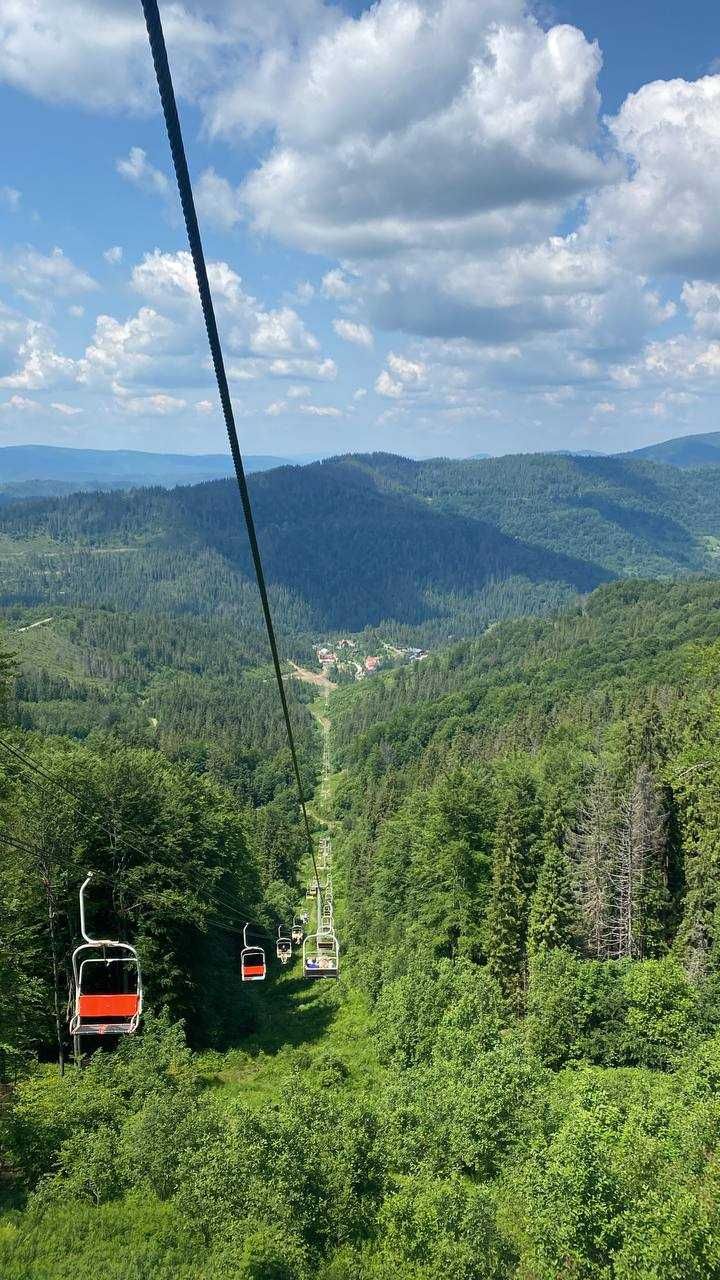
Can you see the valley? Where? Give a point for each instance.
(524, 831)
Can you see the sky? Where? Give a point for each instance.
(432, 226)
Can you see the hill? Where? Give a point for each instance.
(516, 1073)
(432, 548)
(683, 451)
(32, 469)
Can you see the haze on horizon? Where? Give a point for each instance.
(445, 227)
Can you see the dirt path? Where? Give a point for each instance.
(31, 625)
(313, 677)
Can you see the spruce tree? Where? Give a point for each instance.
(553, 911)
(516, 848)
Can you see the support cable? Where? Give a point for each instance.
(182, 174)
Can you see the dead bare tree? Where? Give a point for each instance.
(591, 847)
(637, 869)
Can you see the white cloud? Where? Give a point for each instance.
(76, 311)
(298, 392)
(490, 118)
(34, 275)
(204, 406)
(168, 280)
(406, 370)
(128, 351)
(277, 333)
(359, 334)
(67, 410)
(663, 217)
(387, 386)
(320, 411)
(702, 301)
(217, 201)
(40, 366)
(157, 405)
(315, 370)
(19, 404)
(10, 197)
(335, 285)
(276, 408)
(88, 52)
(114, 255)
(136, 168)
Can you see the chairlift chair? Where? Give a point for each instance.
(283, 946)
(297, 933)
(252, 961)
(321, 956)
(107, 994)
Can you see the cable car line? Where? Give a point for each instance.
(182, 174)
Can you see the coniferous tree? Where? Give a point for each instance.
(516, 849)
(554, 918)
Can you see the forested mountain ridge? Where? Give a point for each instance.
(28, 464)
(440, 547)
(683, 451)
(525, 833)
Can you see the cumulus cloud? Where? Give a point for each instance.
(489, 121)
(168, 280)
(217, 201)
(702, 300)
(34, 275)
(39, 365)
(142, 349)
(114, 255)
(88, 52)
(335, 285)
(359, 334)
(158, 405)
(137, 169)
(663, 215)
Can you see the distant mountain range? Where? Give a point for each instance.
(683, 451)
(34, 469)
(440, 546)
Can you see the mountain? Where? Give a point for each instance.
(35, 468)
(683, 451)
(439, 548)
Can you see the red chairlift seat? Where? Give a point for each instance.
(107, 984)
(252, 961)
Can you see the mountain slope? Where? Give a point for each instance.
(443, 546)
(683, 451)
(33, 464)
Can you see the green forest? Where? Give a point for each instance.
(516, 1074)
(430, 550)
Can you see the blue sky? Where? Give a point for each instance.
(436, 226)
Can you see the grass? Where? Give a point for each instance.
(48, 649)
